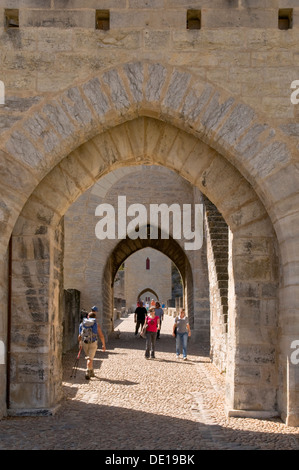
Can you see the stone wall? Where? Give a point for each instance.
(217, 253)
(71, 318)
(138, 278)
(239, 48)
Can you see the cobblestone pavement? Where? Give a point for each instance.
(137, 404)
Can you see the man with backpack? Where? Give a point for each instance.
(89, 331)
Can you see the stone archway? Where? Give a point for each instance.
(124, 249)
(37, 240)
(41, 142)
(148, 289)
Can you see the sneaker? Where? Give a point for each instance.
(87, 374)
(184, 359)
(177, 356)
(91, 373)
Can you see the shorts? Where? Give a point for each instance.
(90, 349)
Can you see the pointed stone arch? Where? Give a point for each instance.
(148, 289)
(59, 125)
(38, 233)
(240, 144)
(169, 247)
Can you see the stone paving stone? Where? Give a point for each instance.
(138, 404)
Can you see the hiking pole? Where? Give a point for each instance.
(75, 366)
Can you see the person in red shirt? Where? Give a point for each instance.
(153, 325)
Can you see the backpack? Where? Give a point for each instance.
(87, 334)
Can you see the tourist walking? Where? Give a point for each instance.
(153, 325)
(181, 329)
(89, 331)
(139, 316)
(159, 313)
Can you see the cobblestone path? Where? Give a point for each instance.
(138, 404)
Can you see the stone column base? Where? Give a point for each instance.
(33, 412)
(251, 414)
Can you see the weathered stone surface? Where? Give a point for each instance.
(59, 120)
(76, 106)
(97, 97)
(118, 93)
(135, 77)
(236, 124)
(271, 158)
(22, 148)
(38, 127)
(215, 112)
(194, 104)
(177, 89)
(157, 76)
(58, 18)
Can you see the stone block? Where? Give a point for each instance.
(37, 126)
(254, 269)
(90, 4)
(195, 101)
(250, 139)
(6, 122)
(54, 81)
(135, 74)
(57, 18)
(44, 4)
(147, 19)
(99, 101)
(256, 354)
(253, 246)
(235, 18)
(157, 76)
(76, 107)
(176, 89)
(26, 398)
(283, 184)
(236, 124)
(156, 40)
(12, 177)
(52, 41)
(144, 4)
(257, 4)
(21, 147)
(117, 90)
(256, 398)
(192, 4)
(59, 119)
(215, 111)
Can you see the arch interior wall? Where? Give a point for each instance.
(138, 278)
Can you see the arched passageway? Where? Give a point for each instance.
(148, 289)
(209, 140)
(124, 249)
(38, 238)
